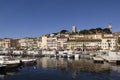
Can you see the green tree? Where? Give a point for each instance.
(64, 31)
(92, 31)
(84, 32)
(107, 31)
(99, 30)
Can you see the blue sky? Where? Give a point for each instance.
(32, 18)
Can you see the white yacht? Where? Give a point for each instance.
(9, 61)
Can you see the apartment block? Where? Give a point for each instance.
(49, 42)
(28, 43)
(83, 44)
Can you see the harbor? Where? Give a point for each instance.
(47, 68)
(102, 56)
(59, 40)
(59, 65)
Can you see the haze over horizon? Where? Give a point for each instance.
(33, 18)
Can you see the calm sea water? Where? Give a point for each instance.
(62, 69)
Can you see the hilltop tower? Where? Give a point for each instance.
(110, 26)
(74, 29)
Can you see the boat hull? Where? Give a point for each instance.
(15, 65)
(2, 67)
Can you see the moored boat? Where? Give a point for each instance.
(9, 61)
(2, 67)
(110, 56)
(28, 60)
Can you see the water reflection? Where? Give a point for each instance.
(9, 72)
(63, 69)
(75, 66)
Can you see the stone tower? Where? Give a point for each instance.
(110, 26)
(74, 29)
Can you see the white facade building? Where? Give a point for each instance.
(27, 43)
(108, 42)
(49, 42)
(62, 42)
(39, 43)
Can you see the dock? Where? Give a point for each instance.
(98, 60)
(110, 56)
(111, 59)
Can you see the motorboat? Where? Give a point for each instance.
(9, 61)
(28, 60)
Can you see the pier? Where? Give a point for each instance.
(98, 60)
(110, 56)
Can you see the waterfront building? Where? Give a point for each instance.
(28, 43)
(94, 36)
(22, 43)
(6, 42)
(108, 42)
(39, 43)
(49, 42)
(35, 43)
(9, 43)
(83, 44)
(87, 36)
(62, 42)
(101, 41)
(90, 41)
(76, 36)
(117, 36)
